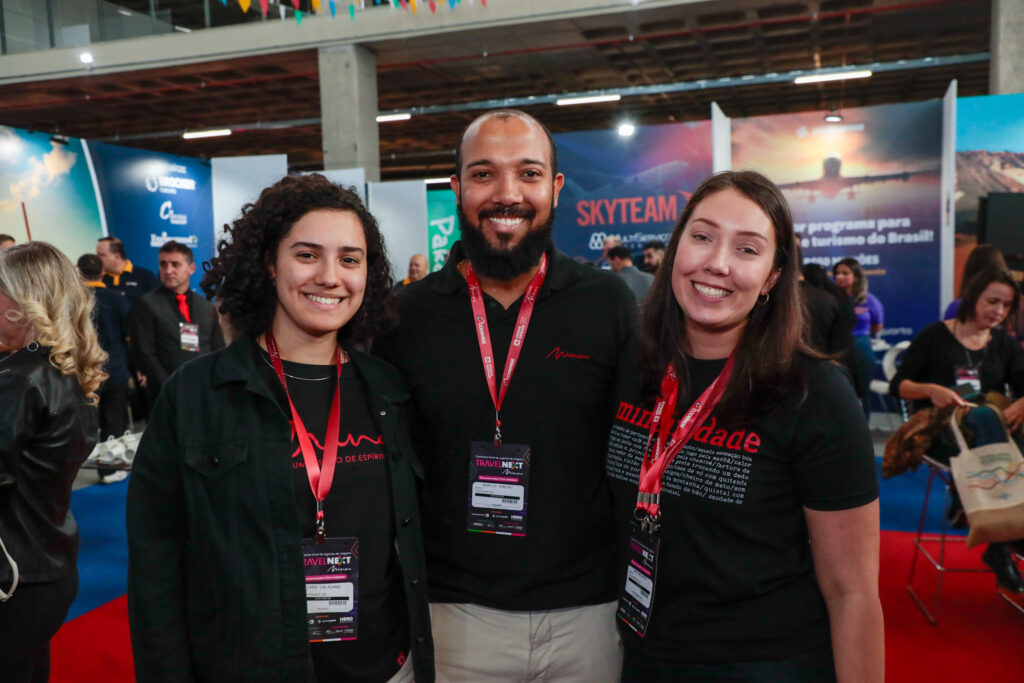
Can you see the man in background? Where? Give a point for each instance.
(654, 253)
(120, 274)
(622, 265)
(172, 324)
(417, 269)
(111, 321)
(6, 242)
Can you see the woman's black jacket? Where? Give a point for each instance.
(47, 430)
(216, 588)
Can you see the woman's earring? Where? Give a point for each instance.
(762, 303)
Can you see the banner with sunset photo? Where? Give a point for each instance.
(868, 187)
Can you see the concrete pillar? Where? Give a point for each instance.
(348, 109)
(1006, 60)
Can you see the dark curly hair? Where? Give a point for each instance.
(239, 278)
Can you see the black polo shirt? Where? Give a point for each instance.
(559, 402)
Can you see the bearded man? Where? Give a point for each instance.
(512, 352)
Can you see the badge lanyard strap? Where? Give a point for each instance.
(320, 479)
(655, 462)
(515, 348)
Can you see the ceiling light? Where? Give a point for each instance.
(437, 181)
(594, 99)
(838, 76)
(86, 57)
(213, 133)
(385, 118)
(123, 12)
(182, 29)
(834, 117)
(626, 129)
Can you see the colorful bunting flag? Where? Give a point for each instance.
(265, 6)
(295, 4)
(433, 6)
(316, 6)
(244, 4)
(415, 9)
(352, 12)
(334, 8)
(298, 17)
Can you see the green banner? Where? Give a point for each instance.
(442, 229)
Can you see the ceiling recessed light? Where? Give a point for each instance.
(838, 76)
(182, 29)
(437, 181)
(123, 12)
(626, 129)
(834, 117)
(86, 57)
(593, 99)
(385, 118)
(212, 133)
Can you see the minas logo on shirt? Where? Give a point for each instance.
(558, 354)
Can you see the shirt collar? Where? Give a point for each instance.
(95, 283)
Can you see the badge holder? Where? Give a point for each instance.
(332, 588)
(637, 598)
(189, 336)
(499, 475)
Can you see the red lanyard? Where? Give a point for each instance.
(320, 480)
(515, 348)
(654, 464)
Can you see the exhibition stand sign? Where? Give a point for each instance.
(47, 191)
(442, 226)
(631, 186)
(151, 198)
(868, 187)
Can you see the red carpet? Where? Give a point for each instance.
(979, 637)
(94, 648)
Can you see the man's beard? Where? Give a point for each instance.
(504, 264)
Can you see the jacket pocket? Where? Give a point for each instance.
(216, 458)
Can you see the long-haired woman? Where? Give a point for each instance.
(982, 257)
(850, 277)
(273, 527)
(972, 354)
(51, 365)
(742, 470)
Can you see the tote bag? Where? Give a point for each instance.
(990, 481)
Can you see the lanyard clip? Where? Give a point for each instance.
(321, 534)
(497, 430)
(650, 524)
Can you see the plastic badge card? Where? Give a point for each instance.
(498, 486)
(332, 588)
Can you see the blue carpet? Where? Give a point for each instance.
(901, 497)
(103, 555)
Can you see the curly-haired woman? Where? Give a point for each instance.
(50, 368)
(272, 518)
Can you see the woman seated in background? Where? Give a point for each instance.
(983, 256)
(970, 355)
(850, 277)
(273, 526)
(752, 556)
(51, 365)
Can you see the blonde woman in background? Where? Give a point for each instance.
(51, 365)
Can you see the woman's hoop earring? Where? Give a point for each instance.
(762, 303)
(32, 346)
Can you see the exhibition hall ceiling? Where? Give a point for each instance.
(637, 47)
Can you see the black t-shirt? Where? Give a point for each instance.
(735, 575)
(558, 403)
(935, 354)
(358, 505)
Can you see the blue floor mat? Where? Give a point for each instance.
(103, 554)
(901, 498)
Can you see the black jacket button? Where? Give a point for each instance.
(414, 581)
(420, 639)
(407, 521)
(214, 461)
